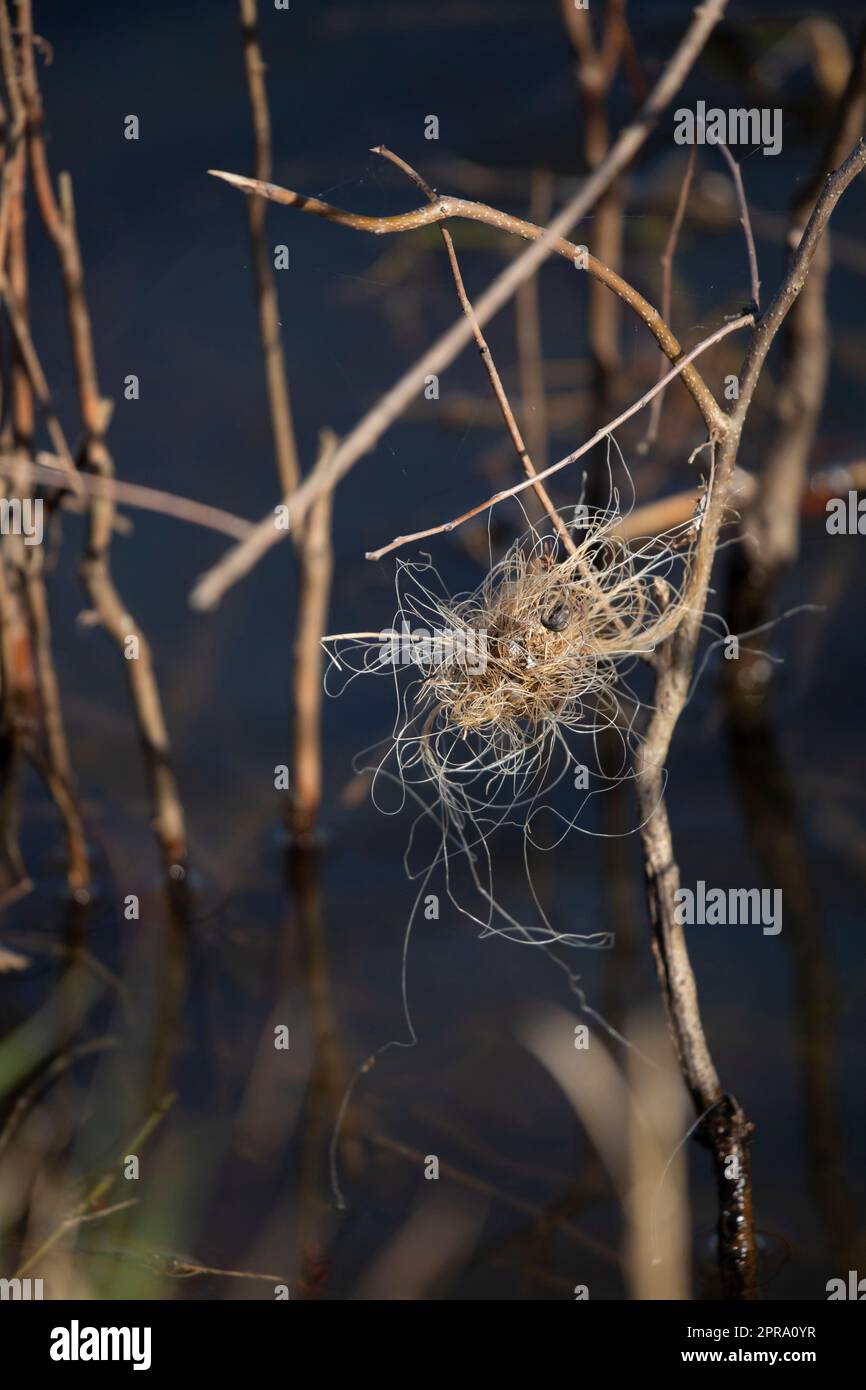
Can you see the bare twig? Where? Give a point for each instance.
(785, 297)
(316, 560)
(606, 430)
(515, 1203)
(746, 224)
(529, 342)
(667, 262)
(180, 1267)
(487, 358)
(51, 468)
(91, 1206)
(53, 1070)
(445, 207)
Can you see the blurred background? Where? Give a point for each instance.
(536, 1190)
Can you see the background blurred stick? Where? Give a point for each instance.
(31, 693)
(529, 342)
(596, 68)
(313, 538)
(667, 264)
(499, 391)
(771, 524)
(282, 428)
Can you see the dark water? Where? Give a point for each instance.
(238, 1175)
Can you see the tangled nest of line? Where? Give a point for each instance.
(498, 685)
(500, 676)
(547, 635)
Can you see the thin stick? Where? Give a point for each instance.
(39, 382)
(770, 532)
(168, 817)
(771, 526)
(316, 563)
(282, 428)
(746, 224)
(49, 468)
(99, 1190)
(529, 339)
(720, 333)
(33, 1093)
(239, 561)
(487, 358)
(667, 263)
(596, 69)
(49, 753)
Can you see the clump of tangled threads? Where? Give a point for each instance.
(540, 645)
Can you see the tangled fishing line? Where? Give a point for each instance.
(499, 689)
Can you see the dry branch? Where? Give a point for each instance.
(499, 391)
(603, 433)
(746, 224)
(446, 207)
(236, 563)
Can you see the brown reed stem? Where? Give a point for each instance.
(54, 469)
(667, 265)
(33, 704)
(58, 215)
(596, 69)
(530, 352)
(316, 563)
(282, 427)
